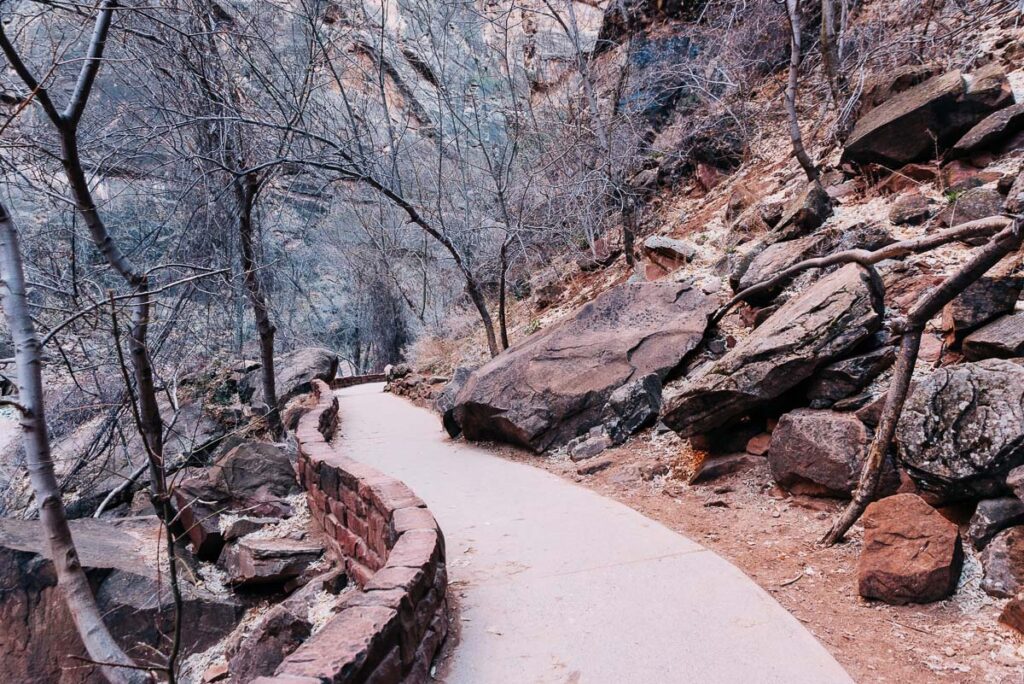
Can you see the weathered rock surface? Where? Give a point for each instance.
(911, 553)
(804, 213)
(119, 556)
(254, 476)
(445, 404)
(973, 204)
(1013, 614)
(992, 516)
(632, 407)
(1003, 560)
(268, 560)
(845, 377)
(907, 127)
(820, 453)
(912, 208)
(991, 131)
(781, 255)
(989, 297)
(553, 386)
(827, 320)
(1003, 338)
(962, 429)
(294, 372)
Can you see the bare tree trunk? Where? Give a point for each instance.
(502, 286)
(246, 188)
(793, 14)
(60, 546)
(829, 50)
(1006, 241)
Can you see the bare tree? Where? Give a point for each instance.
(60, 545)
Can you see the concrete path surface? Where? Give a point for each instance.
(559, 584)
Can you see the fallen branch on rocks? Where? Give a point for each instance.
(1004, 242)
(972, 229)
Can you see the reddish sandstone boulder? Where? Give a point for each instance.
(553, 386)
(909, 126)
(911, 553)
(268, 560)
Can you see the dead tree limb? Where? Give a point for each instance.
(60, 546)
(1006, 241)
(972, 229)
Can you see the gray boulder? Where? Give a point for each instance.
(962, 429)
(827, 320)
(294, 373)
(992, 516)
(445, 403)
(1003, 560)
(633, 407)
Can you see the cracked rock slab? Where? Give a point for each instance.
(823, 323)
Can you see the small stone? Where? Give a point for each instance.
(1003, 560)
(758, 444)
(595, 467)
(911, 209)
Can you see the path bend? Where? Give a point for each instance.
(558, 584)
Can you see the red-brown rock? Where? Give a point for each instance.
(553, 385)
(268, 560)
(820, 453)
(911, 553)
(909, 126)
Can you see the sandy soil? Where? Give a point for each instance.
(771, 536)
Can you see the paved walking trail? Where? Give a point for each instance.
(559, 584)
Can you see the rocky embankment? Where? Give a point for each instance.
(794, 371)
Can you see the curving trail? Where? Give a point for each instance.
(559, 584)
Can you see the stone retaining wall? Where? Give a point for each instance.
(393, 550)
(351, 380)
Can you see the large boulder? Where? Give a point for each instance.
(254, 477)
(120, 558)
(992, 131)
(826, 321)
(821, 453)
(253, 472)
(294, 373)
(911, 553)
(962, 429)
(445, 403)
(1003, 560)
(553, 386)
(909, 126)
(1003, 338)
